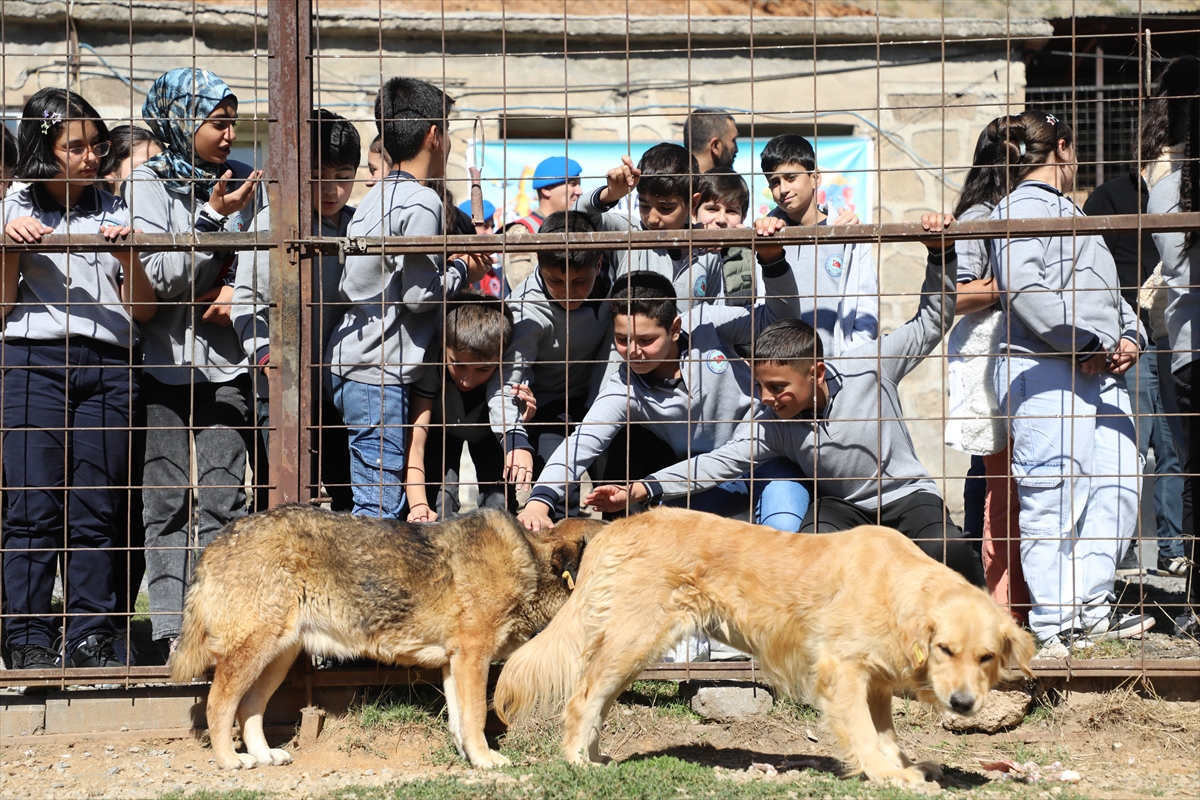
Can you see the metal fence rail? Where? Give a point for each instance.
(913, 94)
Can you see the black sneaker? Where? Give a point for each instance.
(1129, 567)
(33, 656)
(1187, 626)
(1174, 566)
(96, 651)
(1125, 626)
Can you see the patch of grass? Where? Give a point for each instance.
(800, 712)
(387, 711)
(1041, 714)
(663, 697)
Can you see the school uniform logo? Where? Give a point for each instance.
(716, 361)
(833, 265)
(700, 287)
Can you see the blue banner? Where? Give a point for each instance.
(844, 161)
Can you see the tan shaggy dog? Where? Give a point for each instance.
(456, 595)
(842, 620)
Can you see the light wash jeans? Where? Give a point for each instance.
(1078, 472)
(376, 420)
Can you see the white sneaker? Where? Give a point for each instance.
(1126, 626)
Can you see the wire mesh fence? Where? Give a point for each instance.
(411, 327)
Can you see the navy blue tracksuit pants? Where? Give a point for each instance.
(66, 411)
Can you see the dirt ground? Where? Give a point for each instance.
(1120, 744)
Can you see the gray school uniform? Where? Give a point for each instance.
(396, 299)
(839, 290)
(460, 418)
(558, 353)
(178, 346)
(697, 275)
(1181, 272)
(252, 296)
(695, 413)
(1061, 293)
(75, 294)
(973, 261)
(858, 448)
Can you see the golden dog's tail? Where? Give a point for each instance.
(192, 655)
(544, 670)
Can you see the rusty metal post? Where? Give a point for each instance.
(290, 80)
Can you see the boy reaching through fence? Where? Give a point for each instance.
(842, 422)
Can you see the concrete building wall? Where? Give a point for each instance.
(921, 100)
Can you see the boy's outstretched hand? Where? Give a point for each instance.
(535, 516)
(846, 216)
(935, 223)
(621, 181)
(768, 226)
(612, 498)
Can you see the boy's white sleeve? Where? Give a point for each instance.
(862, 295)
(252, 297)
(601, 215)
(504, 413)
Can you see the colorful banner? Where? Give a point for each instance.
(845, 163)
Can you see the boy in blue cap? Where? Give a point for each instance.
(492, 284)
(556, 182)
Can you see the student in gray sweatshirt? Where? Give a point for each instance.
(377, 350)
(336, 155)
(679, 376)
(1180, 191)
(559, 353)
(1061, 379)
(198, 392)
(663, 179)
(70, 329)
(838, 285)
(842, 422)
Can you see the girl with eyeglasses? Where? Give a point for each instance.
(196, 381)
(71, 321)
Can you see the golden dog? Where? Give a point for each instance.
(456, 595)
(841, 620)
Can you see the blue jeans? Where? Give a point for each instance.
(780, 496)
(1154, 432)
(1079, 476)
(376, 420)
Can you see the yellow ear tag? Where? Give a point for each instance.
(570, 581)
(919, 653)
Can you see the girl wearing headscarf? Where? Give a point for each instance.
(195, 381)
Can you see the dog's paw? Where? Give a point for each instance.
(239, 761)
(909, 778)
(276, 758)
(491, 759)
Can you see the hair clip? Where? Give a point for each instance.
(50, 120)
(1021, 148)
(1051, 119)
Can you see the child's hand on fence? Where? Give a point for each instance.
(525, 401)
(226, 203)
(26, 229)
(768, 226)
(935, 223)
(535, 516)
(621, 181)
(846, 216)
(421, 512)
(220, 312)
(1125, 357)
(518, 469)
(612, 498)
(478, 265)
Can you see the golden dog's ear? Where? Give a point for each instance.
(915, 638)
(1019, 646)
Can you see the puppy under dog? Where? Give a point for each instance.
(456, 595)
(841, 620)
